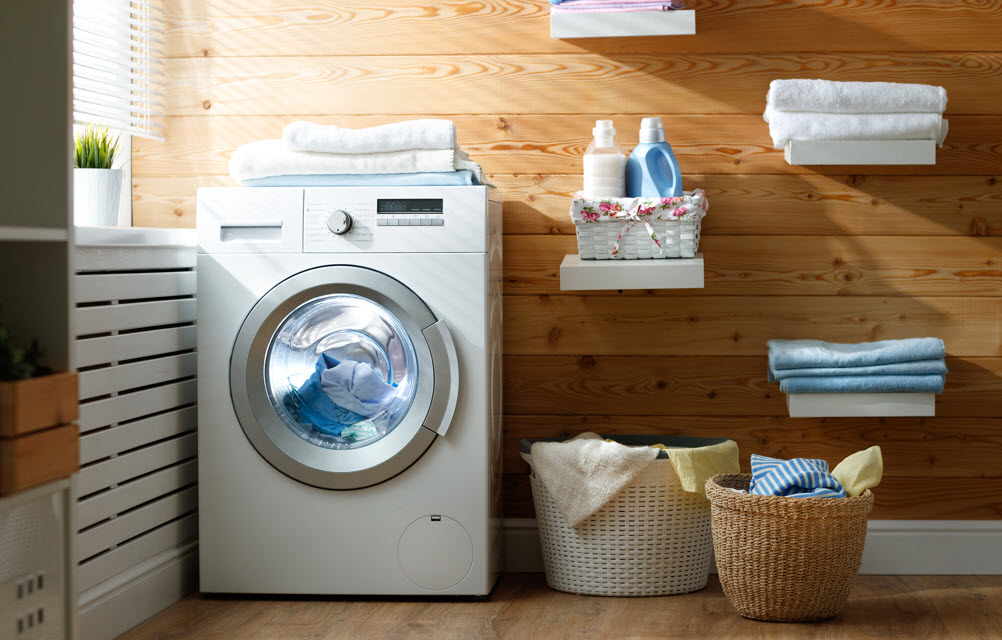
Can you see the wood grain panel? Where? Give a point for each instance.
(35, 458)
(804, 265)
(790, 204)
(896, 498)
(723, 325)
(544, 144)
(338, 27)
(693, 386)
(912, 447)
(543, 83)
(741, 204)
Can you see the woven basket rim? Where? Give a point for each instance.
(722, 496)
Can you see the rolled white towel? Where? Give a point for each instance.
(268, 158)
(785, 126)
(397, 136)
(826, 96)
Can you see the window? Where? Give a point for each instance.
(117, 60)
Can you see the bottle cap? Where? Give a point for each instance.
(652, 130)
(604, 129)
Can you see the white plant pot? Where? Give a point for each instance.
(96, 194)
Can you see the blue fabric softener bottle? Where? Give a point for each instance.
(652, 170)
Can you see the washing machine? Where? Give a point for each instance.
(349, 390)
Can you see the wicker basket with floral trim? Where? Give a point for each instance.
(634, 228)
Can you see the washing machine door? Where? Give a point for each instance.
(342, 377)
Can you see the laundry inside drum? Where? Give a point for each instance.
(341, 371)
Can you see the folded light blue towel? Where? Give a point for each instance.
(916, 368)
(436, 179)
(863, 384)
(803, 354)
(796, 478)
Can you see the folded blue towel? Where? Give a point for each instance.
(803, 354)
(436, 179)
(796, 478)
(863, 384)
(916, 368)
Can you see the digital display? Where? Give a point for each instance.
(410, 205)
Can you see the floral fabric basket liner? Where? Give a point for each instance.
(692, 206)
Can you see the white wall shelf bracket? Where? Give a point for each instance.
(624, 24)
(604, 275)
(859, 405)
(861, 152)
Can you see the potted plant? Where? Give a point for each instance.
(32, 397)
(97, 188)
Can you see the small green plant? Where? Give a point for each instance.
(17, 363)
(95, 148)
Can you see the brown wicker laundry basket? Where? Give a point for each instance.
(785, 559)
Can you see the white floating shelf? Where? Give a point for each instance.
(603, 275)
(623, 24)
(906, 152)
(32, 234)
(859, 405)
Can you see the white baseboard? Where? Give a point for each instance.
(893, 547)
(115, 606)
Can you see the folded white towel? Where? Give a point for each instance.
(826, 96)
(785, 126)
(268, 158)
(397, 136)
(584, 473)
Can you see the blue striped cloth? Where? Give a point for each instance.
(796, 478)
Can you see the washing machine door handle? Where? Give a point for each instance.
(446, 375)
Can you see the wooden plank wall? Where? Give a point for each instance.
(844, 253)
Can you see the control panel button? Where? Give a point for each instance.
(339, 222)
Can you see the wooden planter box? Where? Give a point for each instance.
(37, 403)
(37, 442)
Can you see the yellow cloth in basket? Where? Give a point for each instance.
(695, 466)
(860, 471)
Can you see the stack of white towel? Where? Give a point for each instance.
(826, 110)
(412, 153)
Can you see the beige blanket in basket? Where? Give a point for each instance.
(584, 473)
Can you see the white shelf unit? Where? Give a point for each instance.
(861, 405)
(603, 275)
(624, 24)
(861, 152)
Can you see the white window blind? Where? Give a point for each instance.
(117, 65)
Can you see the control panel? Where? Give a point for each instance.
(399, 219)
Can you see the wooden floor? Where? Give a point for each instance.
(914, 607)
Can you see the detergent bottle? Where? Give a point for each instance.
(652, 170)
(604, 164)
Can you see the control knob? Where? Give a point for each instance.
(339, 222)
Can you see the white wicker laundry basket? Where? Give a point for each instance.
(626, 228)
(651, 539)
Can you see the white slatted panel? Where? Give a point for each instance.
(137, 484)
(116, 348)
(173, 534)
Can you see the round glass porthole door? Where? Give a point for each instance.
(332, 377)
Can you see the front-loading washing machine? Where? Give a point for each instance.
(349, 390)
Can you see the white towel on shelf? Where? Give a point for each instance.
(268, 158)
(826, 96)
(584, 473)
(785, 126)
(397, 136)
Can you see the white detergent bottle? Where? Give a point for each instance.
(604, 164)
